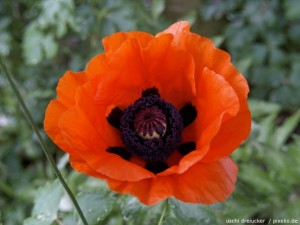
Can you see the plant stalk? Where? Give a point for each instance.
(41, 141)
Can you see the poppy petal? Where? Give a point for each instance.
(95, 114)
(221, 64)
(206, 55)
(215, 98)
(166, 64)
(178, 30)
(214, 183)
(125, 65)
(113, 42)
(67, 87)
(66, 91)
(81, 166)
(230, 136)
(53, 113)
(96, 66)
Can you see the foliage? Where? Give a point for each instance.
(39, 40)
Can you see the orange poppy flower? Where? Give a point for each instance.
(154, 116)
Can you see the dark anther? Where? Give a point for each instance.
(150, 91)
(188, 114)
(187, 147)
(120, 151)
(156, 167)
(114, 117)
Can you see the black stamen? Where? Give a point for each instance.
(156, 167)
(187, 147)
(188, 114)
(120, 151)
(114, 117)
(150, 91)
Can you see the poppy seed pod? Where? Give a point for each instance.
(154, 116)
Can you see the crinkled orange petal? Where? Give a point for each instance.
(234, 131)
(113, 42)
(206, 55)
(230, 136)
(204, 183)
(81, 166)
(178, 31)
(53, 113)
(67, 87)
(96, 114)
(96, 66)
(125, 80)
(215, 98)
(170, 70)
(66, 91)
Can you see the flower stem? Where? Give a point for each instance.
(41, 141)
(164, 210)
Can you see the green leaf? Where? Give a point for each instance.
(46, 204)
(50, 46)
(257, 178)
(291, 211)
(37, 221)
(96, 206)
(32, 45)
(284, 131)
(157, 8)
(261, 108)
(293, 152)
(266, 129)
(258, 53)
(244, 64)
(218, 40)
(240, 205)
(294, 32)
(192, 213)
(171, 221)
(294, 76)
(192, 17)
(292, 9)
(134, 211)
(286, 95)
(5, 40)
(277, 57)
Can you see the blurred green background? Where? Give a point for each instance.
(40, 40)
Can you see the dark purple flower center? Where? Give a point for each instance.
(151, 128)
